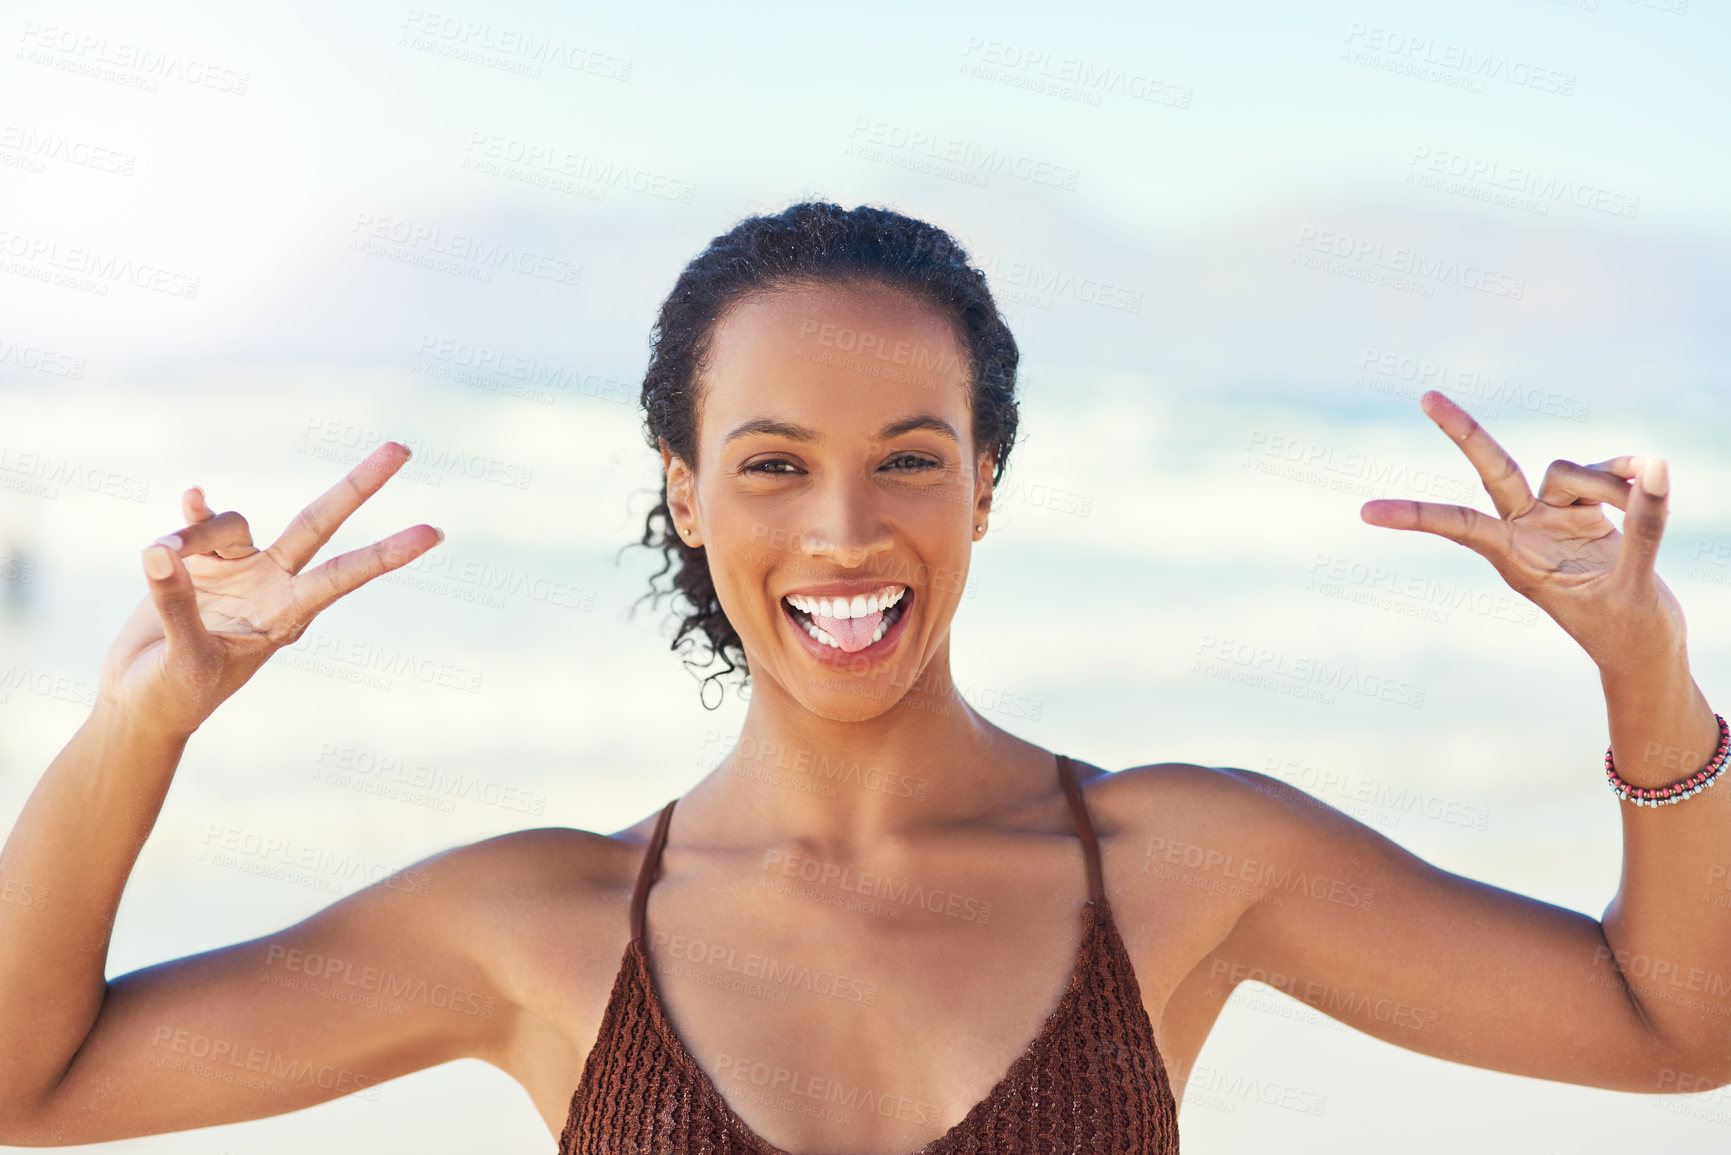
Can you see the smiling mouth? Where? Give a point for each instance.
(849, 625)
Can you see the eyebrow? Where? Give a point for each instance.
(805, 434)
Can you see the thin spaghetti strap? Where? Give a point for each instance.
(651, 859)
(1084, 827)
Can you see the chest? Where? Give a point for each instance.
(822, 1008)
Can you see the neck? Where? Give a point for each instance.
(927, 761)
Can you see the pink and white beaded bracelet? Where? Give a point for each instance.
(1677, 791)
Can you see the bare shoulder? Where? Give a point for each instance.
(546, 912)
(1215, 806)
(540, 863)
(1190, 850)
(534, 887)
(1190, 853)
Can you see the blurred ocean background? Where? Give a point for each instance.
(1236, 241)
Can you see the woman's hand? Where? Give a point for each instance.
(1559, 549)
(219, 606)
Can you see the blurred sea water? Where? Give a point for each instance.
(1176, 620)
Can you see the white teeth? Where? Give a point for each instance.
(857, 607)
(823, 637)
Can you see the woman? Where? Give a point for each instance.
(896, 964)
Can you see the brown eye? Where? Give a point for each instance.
(917, 462)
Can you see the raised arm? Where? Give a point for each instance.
(235, 1033)
(1639, 1000)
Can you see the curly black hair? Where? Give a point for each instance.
(804, 244)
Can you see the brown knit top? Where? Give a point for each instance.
(1091, 1082)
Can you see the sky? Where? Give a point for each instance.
(1235, 241)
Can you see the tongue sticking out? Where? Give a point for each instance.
(854, 634)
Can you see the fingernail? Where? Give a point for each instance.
(171, 541)
(1656, 476)
(158, 564)
(440, 533)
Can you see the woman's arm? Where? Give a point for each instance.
(1640, 1001)
(229, 1034)
(1668, 929)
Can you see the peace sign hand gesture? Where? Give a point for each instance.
(1558, 549)
(219, 606)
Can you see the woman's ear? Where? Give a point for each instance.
(681, 496)
(983, 489)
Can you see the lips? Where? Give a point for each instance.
(838, 629)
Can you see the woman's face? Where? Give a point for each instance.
(837, 489)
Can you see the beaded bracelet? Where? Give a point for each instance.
(1677, 791)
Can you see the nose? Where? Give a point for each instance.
(846, 526)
